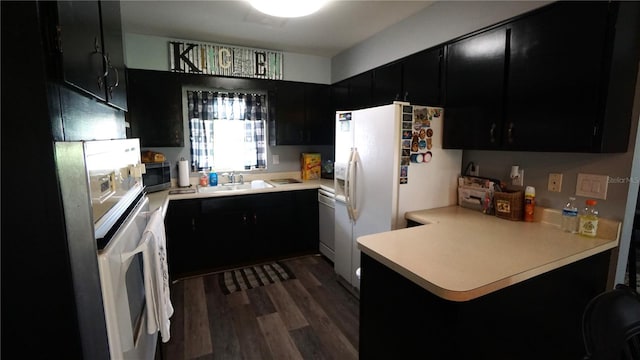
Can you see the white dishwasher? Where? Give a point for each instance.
(326, 206)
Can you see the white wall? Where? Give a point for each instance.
(152, 53)
(436, 24)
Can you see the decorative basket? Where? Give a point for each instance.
(509, 204)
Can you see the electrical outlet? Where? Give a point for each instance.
(555, 182)
(518, 180)
(475, 170)
(275, 159)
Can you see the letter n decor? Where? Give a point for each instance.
(224, 60)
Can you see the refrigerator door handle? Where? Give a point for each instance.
(347, 186)
(352, 186)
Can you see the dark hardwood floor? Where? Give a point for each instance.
(309, 317)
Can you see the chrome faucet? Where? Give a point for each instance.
(234, 178)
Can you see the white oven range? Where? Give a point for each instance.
(122, 279)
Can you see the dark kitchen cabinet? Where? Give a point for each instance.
(360, 91)
(340, 96)
(386, 86)
(88, 39)
(183, 243)
(222, 232)
(561, 75)
(320, 118)
(353, 93)
(300, 114)
(115, 81)
(541, 83)
(422, 77)
(39, 107)
(287, 123)
(416, 78)
(475, 90)
(155, 108)
(305, 236)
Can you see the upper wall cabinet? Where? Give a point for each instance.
(155, 108)
(89, 41)
(421, 77)
(542, 83)
(415, 78)
(474, 91)
(300, 114)
(386, 84)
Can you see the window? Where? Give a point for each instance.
(227, 130)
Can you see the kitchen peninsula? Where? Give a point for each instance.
(468, 285)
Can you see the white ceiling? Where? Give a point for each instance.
(336, 27)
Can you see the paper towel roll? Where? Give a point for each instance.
(183, 173)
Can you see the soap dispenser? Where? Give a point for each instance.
(213, 178)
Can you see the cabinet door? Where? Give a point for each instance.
(555, 77)
(305, 222)
(226, 228)
(474, 91)
(288, 125)
(273, 219)
(339, 97)
(81, 46)
(319, 119)
(386, 84)
(360, 91)
(422, 78)
(115, 82)
(184, 247)
(155, 108)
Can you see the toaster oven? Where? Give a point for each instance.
(157, 176)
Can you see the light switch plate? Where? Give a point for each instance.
(592, 186)
(275, 159)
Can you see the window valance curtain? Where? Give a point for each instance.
(206, 107)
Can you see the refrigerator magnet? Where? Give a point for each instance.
(427, 157)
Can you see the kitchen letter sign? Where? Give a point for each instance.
(214, 59)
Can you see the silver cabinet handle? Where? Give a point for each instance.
(492, 137)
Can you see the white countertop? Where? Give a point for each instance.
(160, 199)
(461, 254)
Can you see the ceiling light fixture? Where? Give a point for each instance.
(288, 8)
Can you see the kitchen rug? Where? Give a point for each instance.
(254, 276)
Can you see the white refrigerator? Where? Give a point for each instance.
(388, 160)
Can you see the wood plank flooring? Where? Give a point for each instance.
(309, 317)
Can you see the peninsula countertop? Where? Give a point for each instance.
(461, 254)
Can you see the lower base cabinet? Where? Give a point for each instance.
(539, 318)
(216, 233)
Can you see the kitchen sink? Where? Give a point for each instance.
(284, 181)
(235, 187)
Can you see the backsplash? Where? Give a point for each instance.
(537, 166)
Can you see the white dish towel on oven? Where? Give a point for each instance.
(153, 247)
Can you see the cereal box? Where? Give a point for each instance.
(310, 165)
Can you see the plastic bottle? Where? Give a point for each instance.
(529, 202)
(570, 216)
(204, 180)
(213, 178)
(589, 219)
